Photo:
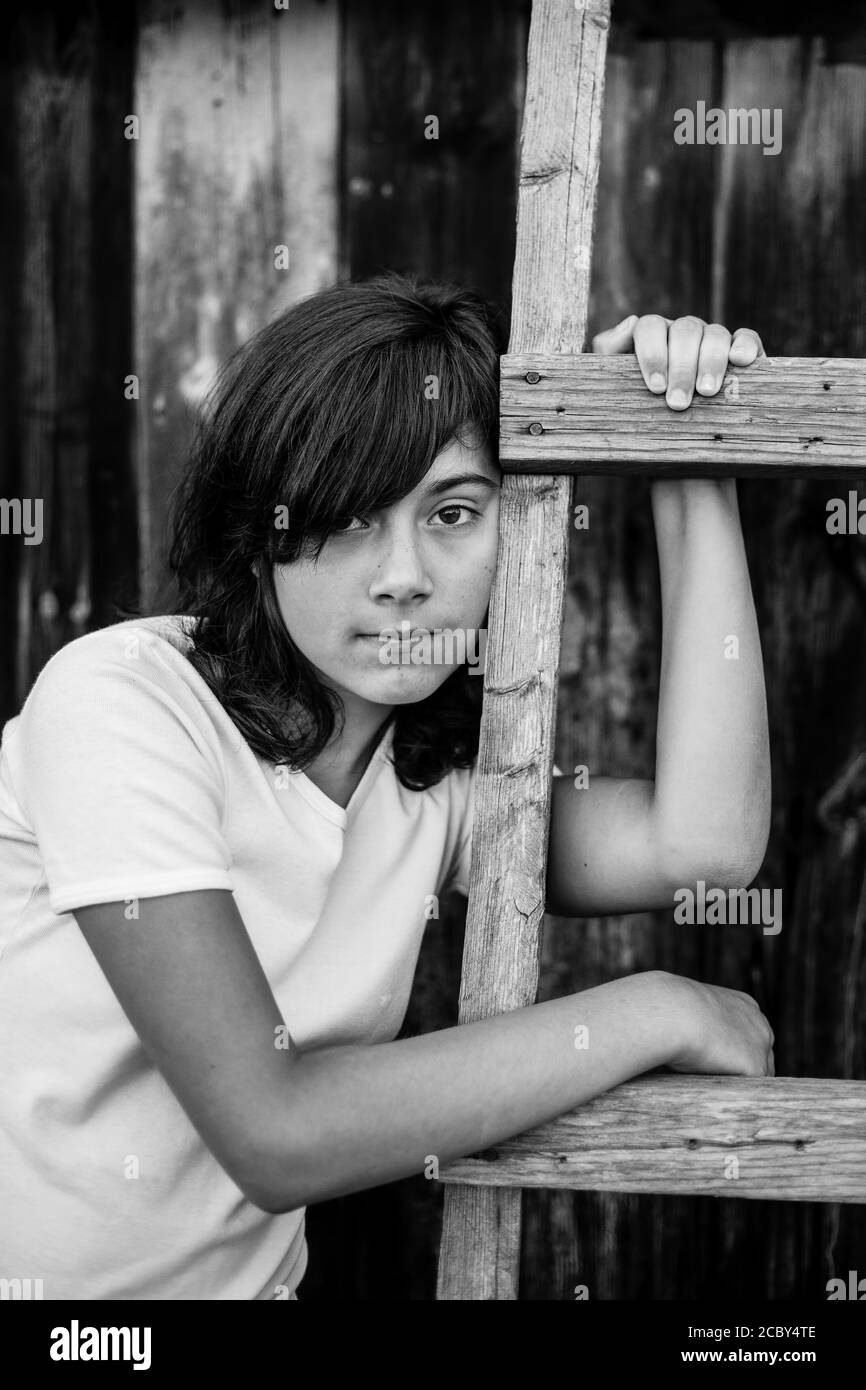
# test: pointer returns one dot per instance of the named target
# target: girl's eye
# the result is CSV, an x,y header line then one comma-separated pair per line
x,y
455,507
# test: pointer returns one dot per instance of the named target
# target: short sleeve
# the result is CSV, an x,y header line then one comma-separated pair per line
x,y
457,878
118,770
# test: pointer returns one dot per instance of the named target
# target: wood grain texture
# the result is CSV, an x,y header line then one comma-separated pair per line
x,y
39,629
781,416
480,1250
64,308
443,206
237,155
10,314
804,1139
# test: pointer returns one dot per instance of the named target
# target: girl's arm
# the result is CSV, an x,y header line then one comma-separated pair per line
x,y
292,1127
627,844
712,784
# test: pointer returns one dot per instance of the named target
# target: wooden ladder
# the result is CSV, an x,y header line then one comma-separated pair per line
x,y
563,414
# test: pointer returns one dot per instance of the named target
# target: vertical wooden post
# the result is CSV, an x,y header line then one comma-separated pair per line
x,y
480,1250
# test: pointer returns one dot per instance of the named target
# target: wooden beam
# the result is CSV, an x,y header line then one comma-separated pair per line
x,y
793,1140
791,416
480,1249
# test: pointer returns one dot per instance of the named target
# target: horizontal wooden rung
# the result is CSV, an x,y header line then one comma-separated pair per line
x,y
584,413
770,1138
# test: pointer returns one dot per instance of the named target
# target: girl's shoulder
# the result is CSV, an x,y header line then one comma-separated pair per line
x,y
150,641
119,639
122,670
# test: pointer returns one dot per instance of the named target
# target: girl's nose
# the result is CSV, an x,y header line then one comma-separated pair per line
x,y
401,574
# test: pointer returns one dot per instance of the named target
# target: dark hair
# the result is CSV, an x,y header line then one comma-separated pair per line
x,y
329,411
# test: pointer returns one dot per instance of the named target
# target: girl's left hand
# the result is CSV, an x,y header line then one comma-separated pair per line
x,y
678,355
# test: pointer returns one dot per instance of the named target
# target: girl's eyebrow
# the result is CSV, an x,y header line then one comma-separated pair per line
x,y
448,484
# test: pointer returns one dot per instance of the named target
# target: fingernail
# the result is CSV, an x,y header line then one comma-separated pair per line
x,y
707,382
678,398
657,382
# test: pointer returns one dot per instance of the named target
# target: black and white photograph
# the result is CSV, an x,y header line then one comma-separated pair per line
x,y
432,668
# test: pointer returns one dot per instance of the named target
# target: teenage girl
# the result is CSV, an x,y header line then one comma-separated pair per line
x,y
221,829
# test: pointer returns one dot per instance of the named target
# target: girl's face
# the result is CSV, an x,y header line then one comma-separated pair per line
x,y
427,561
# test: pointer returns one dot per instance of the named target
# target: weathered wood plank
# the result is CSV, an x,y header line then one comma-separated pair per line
x,y
432,199
480,1250
113,487
796,1140
65,314
55,69
10,320
236,157
38,633
74,539
791,416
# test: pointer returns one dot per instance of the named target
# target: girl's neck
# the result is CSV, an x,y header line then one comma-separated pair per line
x,y
340,766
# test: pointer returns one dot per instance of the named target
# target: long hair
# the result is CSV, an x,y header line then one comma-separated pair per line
x,y
336,408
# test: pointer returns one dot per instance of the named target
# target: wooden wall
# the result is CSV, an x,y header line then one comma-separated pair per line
x,y
66,234
236,206
305,128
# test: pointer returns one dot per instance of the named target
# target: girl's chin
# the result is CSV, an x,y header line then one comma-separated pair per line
x,y
406,682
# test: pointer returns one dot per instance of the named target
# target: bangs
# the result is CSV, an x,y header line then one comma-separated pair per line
x,y
382,419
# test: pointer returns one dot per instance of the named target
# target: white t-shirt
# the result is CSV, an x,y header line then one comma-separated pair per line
x,y
121,778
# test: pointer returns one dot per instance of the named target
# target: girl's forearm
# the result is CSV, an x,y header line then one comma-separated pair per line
x,y
712,785
357,1116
